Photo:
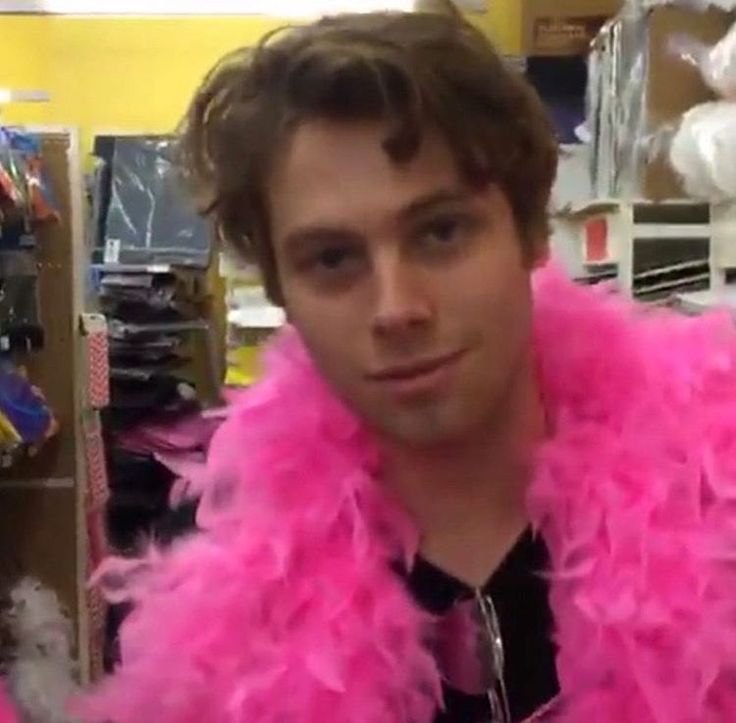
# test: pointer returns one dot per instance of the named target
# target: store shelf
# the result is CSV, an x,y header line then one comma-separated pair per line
x,y
248,308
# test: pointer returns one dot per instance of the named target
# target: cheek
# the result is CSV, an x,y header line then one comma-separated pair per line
x,y
489,286
331,334
489,309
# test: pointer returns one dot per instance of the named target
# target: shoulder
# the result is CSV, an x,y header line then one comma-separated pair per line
x,y
592,340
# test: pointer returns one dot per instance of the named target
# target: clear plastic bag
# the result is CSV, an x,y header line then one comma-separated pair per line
x,y
717,63
701,5
616,115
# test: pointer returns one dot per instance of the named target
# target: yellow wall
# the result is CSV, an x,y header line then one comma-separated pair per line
x,y
138,74
502,23
21,59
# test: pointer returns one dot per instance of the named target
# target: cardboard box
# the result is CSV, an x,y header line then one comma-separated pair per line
x,y
563,27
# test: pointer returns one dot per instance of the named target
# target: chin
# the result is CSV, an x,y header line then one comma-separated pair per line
x,y
422,430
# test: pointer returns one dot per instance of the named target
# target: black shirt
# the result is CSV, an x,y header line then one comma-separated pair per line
x,y
520,596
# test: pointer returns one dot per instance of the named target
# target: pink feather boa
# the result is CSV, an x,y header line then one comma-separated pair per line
x,y
7,710
285,608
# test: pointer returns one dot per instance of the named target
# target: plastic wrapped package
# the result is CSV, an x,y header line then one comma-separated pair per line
x,y
26,417
703,151
20,325
18,300
22,177
150,218
719,66
634,108
25,195
616,103
700,5
717,63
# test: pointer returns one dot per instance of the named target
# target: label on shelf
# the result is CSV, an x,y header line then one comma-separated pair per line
x,y
112,250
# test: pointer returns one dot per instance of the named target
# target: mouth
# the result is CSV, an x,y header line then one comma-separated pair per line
x,y
419,376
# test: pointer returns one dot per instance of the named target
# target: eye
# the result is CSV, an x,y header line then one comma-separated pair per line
x,y
447,232
332,258
334,263
442,230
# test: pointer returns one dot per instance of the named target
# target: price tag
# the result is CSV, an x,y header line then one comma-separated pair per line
x,y
112,251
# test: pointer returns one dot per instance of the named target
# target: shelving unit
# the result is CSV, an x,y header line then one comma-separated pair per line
x,y
655,249
43,520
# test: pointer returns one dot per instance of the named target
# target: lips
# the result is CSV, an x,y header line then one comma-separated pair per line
x,y
419,380
415,369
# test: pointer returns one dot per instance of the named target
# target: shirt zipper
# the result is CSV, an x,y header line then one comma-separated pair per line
x,y
497,695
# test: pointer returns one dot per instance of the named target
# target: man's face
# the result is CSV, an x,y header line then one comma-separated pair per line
x,y
409,288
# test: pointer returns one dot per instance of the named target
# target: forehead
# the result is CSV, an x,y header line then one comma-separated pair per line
x,y
339,173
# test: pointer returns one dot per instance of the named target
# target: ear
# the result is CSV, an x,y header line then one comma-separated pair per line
x,y
438,7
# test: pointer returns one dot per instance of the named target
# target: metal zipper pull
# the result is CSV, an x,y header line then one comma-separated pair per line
x,y
497,695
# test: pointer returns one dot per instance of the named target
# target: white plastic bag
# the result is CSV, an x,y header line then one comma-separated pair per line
x,y
719,68
722,4
717,63
703,151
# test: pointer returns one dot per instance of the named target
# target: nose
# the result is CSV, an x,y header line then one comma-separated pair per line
x,y
402,301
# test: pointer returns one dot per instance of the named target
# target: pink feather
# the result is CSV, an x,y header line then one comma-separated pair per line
x,y
7,711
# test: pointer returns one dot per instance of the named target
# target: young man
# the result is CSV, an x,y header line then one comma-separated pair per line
x,y
465,490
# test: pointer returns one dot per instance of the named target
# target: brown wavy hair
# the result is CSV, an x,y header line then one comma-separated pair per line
x,y
410,70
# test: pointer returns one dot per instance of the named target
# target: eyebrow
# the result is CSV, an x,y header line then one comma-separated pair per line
x,y
427,202
318,234
326,233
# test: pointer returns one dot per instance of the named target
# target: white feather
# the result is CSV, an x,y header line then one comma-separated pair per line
x,y
41,677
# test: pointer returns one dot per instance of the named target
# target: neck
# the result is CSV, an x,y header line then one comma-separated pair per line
x,y
472,491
